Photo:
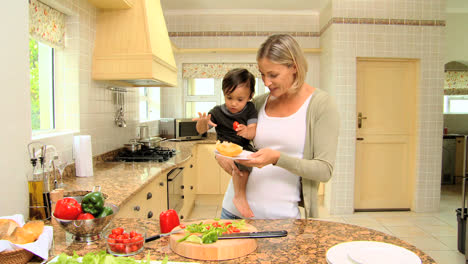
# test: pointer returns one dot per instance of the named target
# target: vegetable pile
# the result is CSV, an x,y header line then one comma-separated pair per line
x,y
120,241
92,206
210,231
102,257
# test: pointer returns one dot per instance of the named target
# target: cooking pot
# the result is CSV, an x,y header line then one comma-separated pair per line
x,y
133,146
151,142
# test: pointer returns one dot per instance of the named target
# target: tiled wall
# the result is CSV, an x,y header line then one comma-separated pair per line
x,y
232,31
96,109
345,42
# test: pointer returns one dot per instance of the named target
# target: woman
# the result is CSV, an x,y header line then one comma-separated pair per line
x,y
297,134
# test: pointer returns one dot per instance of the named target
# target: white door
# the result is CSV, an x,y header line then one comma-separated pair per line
x,y
386,130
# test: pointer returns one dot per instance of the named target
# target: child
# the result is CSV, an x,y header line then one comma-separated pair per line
x,y
238,88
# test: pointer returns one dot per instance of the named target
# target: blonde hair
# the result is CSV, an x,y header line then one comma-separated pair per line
x,y
283,49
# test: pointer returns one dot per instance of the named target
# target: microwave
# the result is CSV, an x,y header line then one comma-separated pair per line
x,y
179,129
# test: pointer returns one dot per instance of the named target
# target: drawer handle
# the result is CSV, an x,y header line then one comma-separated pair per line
x,y
150,214
136,208
149,195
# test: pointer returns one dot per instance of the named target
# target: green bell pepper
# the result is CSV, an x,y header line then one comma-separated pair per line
x,y
93,203
105,212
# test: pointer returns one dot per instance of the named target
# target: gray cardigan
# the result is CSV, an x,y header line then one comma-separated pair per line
x,y
319,149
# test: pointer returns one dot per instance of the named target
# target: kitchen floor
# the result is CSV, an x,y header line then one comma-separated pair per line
x,y
433,233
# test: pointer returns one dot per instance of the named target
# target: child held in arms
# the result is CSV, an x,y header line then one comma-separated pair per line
x,y
235,121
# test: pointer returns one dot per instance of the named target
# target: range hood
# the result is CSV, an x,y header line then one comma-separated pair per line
x,y
456,66
132,47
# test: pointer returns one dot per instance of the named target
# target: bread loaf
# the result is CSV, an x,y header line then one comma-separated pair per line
x,y
7,226
30,232
228,149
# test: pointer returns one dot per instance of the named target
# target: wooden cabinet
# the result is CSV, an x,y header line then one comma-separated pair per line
x,y
147,203
212,179
112,4
190,183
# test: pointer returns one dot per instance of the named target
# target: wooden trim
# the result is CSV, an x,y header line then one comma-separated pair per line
x,y
229,50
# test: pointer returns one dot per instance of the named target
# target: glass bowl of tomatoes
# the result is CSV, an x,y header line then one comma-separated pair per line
x,y
125,241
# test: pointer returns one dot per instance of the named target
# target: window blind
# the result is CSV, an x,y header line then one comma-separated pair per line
x,y
215,70
46,24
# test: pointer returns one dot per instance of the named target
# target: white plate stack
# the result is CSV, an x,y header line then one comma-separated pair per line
x,y
370,252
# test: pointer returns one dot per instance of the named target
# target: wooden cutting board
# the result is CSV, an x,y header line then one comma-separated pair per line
x,y
220,250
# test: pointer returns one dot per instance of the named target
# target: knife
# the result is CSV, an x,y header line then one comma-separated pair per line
x,y
151,238
260,234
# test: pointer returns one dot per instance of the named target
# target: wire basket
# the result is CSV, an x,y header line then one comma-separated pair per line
x,y
17,256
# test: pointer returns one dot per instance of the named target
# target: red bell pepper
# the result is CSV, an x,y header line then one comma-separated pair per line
x,y
67,208
168,220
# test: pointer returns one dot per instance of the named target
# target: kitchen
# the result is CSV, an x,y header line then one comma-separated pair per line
x,y
94,103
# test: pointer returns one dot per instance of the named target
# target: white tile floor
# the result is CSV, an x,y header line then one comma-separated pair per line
x,y
434,233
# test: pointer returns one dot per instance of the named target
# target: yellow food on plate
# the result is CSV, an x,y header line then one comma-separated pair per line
x,y
228,148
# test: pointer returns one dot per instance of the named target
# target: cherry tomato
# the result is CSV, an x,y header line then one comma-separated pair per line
x,y
235,125
119,248
117,231
85,216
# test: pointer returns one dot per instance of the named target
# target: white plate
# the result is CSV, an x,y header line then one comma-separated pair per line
x,y
243,156
54,260
370,252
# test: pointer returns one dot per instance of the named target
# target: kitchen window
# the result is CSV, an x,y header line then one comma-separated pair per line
x,y
203,81
456,104
41,67
202,94
150,103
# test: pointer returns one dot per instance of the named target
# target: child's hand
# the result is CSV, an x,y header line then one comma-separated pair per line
x,y
241,130
203,122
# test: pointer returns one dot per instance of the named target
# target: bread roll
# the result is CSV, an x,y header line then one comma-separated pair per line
x,y
228,149
30,232
7,226
35,228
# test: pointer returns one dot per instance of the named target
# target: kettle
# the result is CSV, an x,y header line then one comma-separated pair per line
x,y
143,132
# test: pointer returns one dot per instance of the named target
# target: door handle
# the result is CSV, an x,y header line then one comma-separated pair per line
x,y
359,119
359,138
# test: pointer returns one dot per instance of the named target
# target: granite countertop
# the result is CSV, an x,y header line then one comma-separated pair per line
x,y
121,180
307,241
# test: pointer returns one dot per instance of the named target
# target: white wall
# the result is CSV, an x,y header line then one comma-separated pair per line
x,y
15,107
457,37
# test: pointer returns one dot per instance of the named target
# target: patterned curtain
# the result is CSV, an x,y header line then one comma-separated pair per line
x,y
46,24
215,70
456,83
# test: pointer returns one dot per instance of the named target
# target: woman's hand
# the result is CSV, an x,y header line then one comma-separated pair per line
x,y
227,165
261,158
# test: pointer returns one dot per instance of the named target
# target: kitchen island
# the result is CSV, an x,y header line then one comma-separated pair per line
x,y
307,241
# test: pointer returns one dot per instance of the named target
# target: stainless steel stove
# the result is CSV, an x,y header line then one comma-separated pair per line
x,y
157,154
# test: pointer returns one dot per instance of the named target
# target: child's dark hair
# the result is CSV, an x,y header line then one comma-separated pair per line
x,y
236,77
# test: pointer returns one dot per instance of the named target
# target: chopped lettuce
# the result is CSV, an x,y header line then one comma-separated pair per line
x,y
100,257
